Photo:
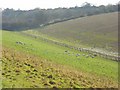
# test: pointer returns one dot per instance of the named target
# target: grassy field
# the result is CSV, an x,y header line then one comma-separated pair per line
x,y
43,64
98,31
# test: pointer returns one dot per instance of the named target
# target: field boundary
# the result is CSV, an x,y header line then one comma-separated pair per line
x,y
98,53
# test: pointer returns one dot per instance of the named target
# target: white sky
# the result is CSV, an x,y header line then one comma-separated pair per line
x,y
31,4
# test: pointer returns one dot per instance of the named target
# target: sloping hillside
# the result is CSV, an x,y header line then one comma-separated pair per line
x,y
29,19
42,64
98,31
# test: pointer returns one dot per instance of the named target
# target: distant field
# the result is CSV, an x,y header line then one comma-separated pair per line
x,y
98,31
49,65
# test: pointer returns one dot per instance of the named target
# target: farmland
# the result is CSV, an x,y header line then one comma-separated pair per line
x,y
53,56
42,64
99,32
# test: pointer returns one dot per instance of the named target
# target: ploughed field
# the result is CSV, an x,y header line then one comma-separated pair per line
x,y
29,61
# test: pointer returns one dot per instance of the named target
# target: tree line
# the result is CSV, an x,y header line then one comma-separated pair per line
x,y
27,19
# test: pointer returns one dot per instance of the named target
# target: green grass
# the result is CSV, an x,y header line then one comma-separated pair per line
x,y
32,72
98,66
99,30
50,59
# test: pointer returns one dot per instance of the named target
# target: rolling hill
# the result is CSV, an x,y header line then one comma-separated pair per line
x,y
30,55
97,31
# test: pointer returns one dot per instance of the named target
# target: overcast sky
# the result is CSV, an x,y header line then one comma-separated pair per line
x,y
31,4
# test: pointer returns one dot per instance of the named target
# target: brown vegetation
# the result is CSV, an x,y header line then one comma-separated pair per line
x,y
44,73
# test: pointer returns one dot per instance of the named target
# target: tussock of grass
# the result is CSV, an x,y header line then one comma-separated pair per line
x,y
37,73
